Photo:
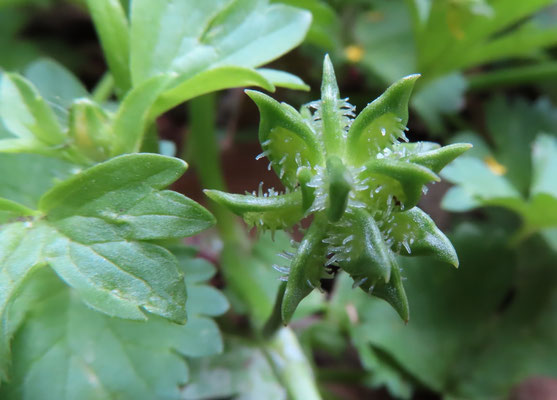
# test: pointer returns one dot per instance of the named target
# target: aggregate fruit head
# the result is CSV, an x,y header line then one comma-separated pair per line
x,y
360,179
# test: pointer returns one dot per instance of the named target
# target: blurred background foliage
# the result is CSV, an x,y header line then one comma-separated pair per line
x,y
489,77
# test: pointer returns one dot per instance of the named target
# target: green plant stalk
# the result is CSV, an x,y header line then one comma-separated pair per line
x,y
291,366
283,349
104,88
274,323
514,76
204,154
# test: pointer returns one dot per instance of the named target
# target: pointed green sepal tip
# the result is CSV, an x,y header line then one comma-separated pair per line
x,y
418,235
437,159
392,292
329,85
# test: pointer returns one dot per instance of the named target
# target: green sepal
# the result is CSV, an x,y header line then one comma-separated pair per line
x,y
366,257
286,138
10,210
382,122
305,270
90,128
304,176
272,212
392,292
437,159
412,177
416,231
340,184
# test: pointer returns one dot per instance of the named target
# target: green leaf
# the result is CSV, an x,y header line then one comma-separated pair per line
x,y
283,79
26,114
105,357
325,25
480,182
30,176
286,138
388,43
279,211
134,115
513,126
213,80
21,247
93,235
441,96
242,372
522,343
189,37
57,85
10,210
544,160
96,219
112,27
381,123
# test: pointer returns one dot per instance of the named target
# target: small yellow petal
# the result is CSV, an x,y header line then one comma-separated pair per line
x,y
354,53
494,166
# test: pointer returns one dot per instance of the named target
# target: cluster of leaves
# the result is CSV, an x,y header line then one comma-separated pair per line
x,y
443,40
506,175
88,282
360,180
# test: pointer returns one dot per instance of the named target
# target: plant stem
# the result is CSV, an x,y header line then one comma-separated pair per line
x,y
274,323
514,76
204,151
291,366
104,88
